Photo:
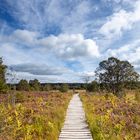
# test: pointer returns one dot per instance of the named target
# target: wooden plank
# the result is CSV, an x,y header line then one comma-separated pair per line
x,y
75,126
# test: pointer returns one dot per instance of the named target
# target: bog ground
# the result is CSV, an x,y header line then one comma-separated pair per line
x,y
61,116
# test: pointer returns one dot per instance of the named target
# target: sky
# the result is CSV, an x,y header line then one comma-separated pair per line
x,y
64,40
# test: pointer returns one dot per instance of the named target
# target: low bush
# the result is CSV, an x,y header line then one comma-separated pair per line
x,y
20,97
112,118
38,118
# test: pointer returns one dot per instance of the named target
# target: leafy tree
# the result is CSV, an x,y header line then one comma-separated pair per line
x,y
2,71
35,84
3,86
93,87
64,88
23,85
113,73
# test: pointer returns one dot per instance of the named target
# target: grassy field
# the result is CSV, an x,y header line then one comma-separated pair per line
x,y
35,116
111,118
40,115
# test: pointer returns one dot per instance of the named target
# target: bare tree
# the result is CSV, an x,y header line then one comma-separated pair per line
x,y
12,79
86,79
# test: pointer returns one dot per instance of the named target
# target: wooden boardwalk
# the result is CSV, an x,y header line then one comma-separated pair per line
x,y
75,126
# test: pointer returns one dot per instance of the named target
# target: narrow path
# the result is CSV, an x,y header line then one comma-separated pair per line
x,y
75,126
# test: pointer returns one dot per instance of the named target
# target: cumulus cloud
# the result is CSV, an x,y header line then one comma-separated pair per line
x,y
121,21
61,49
71,46
20,36
68,46
128,52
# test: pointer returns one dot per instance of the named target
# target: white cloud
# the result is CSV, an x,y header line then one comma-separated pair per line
x,y
121,21
12,55
76,22
71,46
129,52
24,36
87,74
27,12
68,46
20,36
115,24
53,16
61,49
43,14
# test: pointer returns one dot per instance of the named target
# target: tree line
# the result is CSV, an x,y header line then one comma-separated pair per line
x,y
35,85
112,75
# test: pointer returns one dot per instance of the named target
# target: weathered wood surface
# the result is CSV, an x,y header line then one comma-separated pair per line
x,y
75,126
